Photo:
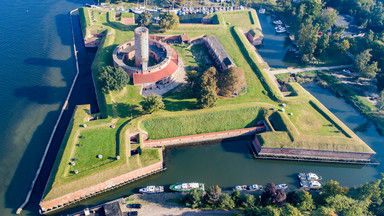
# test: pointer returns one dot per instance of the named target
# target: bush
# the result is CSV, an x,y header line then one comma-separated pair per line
x,y
152,103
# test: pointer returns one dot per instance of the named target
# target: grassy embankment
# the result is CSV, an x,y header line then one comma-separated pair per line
x,y
123,109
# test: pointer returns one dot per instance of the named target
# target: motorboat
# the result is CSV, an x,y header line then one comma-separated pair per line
x,y
311,184
282,186
308,177
262,11
240,187
183,187
277,22
152,189
255,187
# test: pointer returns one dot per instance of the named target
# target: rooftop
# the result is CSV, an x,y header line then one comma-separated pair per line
x,y
219,50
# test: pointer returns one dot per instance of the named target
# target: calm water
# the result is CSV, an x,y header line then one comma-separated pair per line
x,y
38,68
275,49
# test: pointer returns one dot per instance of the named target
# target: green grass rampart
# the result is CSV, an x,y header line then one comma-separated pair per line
x,y
198,123
249,55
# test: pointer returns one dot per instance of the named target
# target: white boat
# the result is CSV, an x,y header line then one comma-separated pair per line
x,y
152,189
308,177
277,22
261,11
151,9
282,186
255,187
280,30
311,184
240,187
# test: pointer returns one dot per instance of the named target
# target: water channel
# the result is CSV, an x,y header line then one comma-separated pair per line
x,y
275,48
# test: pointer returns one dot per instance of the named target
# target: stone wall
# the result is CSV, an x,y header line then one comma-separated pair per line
x,y
310,155
68,199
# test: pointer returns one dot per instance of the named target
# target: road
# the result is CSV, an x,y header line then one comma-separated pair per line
x,y
297,70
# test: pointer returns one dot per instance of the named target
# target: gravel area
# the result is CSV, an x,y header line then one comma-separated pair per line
x,y
161,204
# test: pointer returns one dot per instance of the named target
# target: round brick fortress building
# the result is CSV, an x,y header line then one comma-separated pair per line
x,y
150,63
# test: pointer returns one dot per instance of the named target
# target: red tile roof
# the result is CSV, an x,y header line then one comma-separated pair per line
x,y
158,75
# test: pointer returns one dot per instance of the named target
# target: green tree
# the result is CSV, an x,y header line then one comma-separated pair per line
x,y
344,46
191,78
235,196
347,206
153,103
307,40
381,100
264,211
305,202
169,20
213,195
324,211
322,44
331,189
207,96
145,19
327,19
247,200
364,65
226,202
194,199
110,78
290,210
231,81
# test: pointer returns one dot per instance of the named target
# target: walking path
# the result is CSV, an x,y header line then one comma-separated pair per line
x,y
297,70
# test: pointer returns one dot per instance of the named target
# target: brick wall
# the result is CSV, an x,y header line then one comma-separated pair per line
x,y
201,137
104,186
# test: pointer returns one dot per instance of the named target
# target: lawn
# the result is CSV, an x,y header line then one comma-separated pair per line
x,y
165,127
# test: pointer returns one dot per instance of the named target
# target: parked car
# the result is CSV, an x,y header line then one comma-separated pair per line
x,y
136,205
133,213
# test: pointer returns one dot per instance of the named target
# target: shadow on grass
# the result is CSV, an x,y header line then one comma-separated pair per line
x,y
126,110
118,136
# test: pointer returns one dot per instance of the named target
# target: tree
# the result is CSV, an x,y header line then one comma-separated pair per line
x,y
324,211
207,96
305,202
347,206
272,195
110,78
169,20
327,19
213,195
247,200
264,211
194,199
381,100
226,202
191,78
235,196
322,44
343,46
307,40
331,189
290,210
231,81
145,19
363,65
153,103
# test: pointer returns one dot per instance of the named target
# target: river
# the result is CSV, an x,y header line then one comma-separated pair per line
x,y
38,69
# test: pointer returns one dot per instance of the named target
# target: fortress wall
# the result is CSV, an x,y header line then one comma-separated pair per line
x,y
198,138
71,198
